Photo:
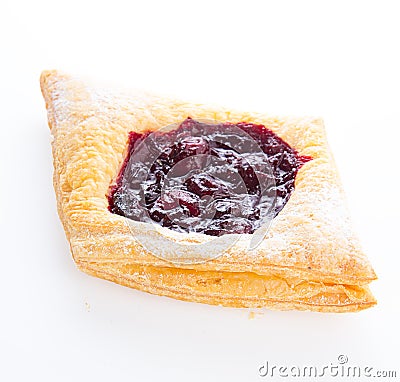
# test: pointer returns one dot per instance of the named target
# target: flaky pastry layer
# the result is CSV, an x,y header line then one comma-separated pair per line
x,y
221,288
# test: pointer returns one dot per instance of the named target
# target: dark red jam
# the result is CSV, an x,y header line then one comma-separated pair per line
x,y
211,178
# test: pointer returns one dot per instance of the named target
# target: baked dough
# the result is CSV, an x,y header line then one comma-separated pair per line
x,y
310,259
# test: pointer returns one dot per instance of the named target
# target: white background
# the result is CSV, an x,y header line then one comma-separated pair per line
x,y
335,59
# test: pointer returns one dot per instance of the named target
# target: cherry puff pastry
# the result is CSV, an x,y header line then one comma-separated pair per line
x,y
307,258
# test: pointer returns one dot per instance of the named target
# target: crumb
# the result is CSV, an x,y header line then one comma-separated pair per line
x,y
253,314
87,306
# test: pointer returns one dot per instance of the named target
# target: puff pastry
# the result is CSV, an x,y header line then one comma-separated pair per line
x,y
310,259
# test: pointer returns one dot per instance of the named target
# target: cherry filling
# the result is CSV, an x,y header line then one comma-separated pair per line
x,y
212,178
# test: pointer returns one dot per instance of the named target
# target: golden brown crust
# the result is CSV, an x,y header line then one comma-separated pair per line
x,y
221,288
310,240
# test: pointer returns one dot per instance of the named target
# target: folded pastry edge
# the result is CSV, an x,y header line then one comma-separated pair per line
x,y
236,289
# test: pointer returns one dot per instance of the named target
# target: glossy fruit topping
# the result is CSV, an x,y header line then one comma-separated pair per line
x,y
212,178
